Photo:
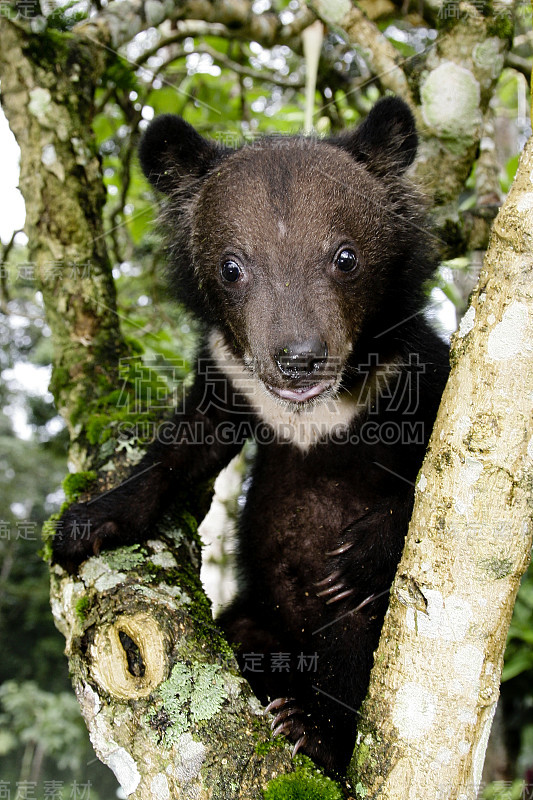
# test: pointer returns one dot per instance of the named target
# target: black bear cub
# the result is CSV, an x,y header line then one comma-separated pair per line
x,y
305,260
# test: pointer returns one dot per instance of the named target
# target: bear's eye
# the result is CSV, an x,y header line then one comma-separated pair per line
x,y
230,271
346,260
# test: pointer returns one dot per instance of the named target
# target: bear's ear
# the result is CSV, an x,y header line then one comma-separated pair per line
x,y
172,151
386,140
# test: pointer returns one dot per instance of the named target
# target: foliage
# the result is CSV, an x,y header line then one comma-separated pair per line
x,y
519,653
51,720
63,18
505,790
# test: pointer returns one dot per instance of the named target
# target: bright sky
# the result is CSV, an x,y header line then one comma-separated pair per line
x,y
12,211
29,377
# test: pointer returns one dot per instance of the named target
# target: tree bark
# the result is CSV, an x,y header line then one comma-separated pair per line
x,y
426,720
455,86
118,23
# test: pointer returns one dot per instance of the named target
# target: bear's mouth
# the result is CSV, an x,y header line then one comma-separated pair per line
x,y
300,394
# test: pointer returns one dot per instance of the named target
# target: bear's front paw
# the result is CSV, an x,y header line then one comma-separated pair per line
x,y
334,587
80,533
361,564
339,585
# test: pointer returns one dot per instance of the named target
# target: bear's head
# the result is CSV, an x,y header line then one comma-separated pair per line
x,y
300,252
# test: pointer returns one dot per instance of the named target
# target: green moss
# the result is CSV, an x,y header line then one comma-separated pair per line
x,y
306,783
132,399
363,756
49,47
77,483
188,580
501,25
190,521
48,533
98,429
65,17
265,746
81,608
60,381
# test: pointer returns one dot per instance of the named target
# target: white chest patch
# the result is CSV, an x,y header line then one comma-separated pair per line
x,y
304,426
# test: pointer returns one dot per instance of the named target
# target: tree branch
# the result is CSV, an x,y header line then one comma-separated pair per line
x,y
239,69
382,57
461,69
118,23
62,185
159,690
519,64
434,687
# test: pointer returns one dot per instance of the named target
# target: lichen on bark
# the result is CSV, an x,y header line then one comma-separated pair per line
x,y
453,88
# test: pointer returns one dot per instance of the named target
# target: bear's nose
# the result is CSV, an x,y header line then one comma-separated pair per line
x,y
300,359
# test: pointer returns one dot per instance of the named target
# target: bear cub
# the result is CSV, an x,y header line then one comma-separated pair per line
x,y
305,261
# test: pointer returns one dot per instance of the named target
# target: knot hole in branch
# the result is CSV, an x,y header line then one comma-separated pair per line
x,y
130,656
133,654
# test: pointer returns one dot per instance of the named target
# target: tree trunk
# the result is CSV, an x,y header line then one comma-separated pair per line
x,y
434,688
